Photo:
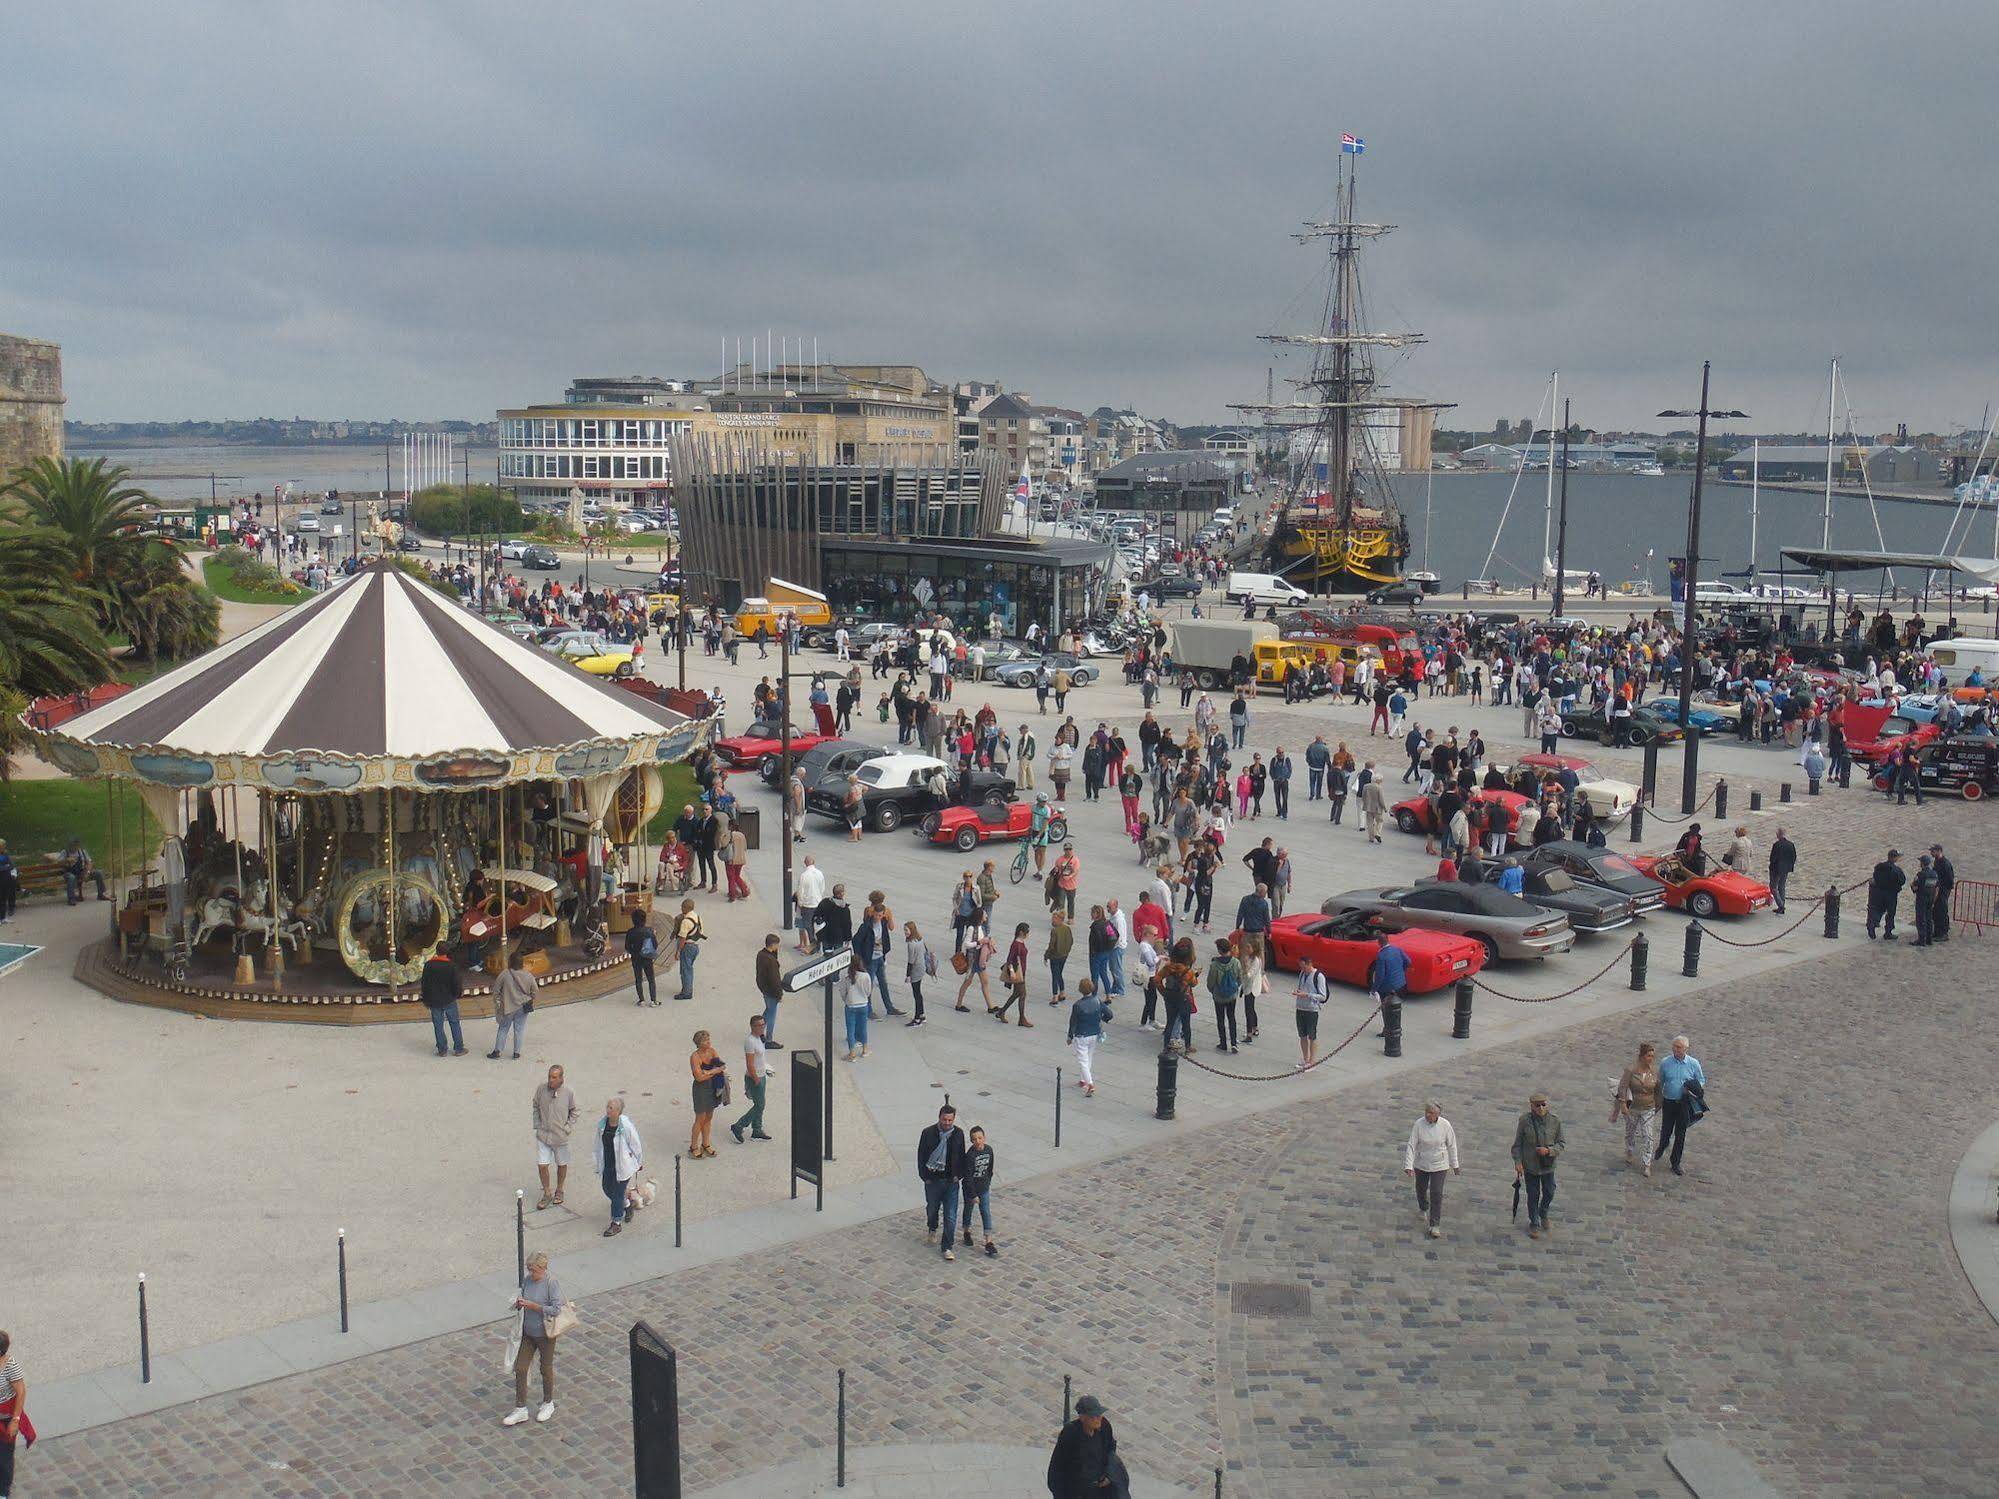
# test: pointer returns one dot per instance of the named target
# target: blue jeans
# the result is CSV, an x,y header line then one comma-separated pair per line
x,y
615,1190
857,1026
1057,980
689,951
878,971
1116,966
982,1199
438,1018
1236,733
940,1200
1100,971
1540,1192
1315,782
518,1024
770,1019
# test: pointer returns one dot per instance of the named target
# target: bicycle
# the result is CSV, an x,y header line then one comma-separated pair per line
x,y
1053,836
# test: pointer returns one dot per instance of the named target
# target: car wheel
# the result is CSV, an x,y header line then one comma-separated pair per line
x,y
967,840
622,670
888,816
810,640
1569,728
1703,903
994,798
767,769
1406,820
1491,947
1973,790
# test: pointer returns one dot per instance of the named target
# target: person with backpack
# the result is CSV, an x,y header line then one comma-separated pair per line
x,y
918,963
642,947
1308,997
1086,1028
1225,978
687,937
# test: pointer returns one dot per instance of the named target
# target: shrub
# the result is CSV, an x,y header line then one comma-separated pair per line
x,y
452,510
253,573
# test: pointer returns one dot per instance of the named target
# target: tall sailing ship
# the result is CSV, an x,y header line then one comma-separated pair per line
x,y
1336,528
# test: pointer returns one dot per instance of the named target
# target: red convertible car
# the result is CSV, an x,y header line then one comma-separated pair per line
x,y
1718,892
761,741
1417,815
989,822
1343,948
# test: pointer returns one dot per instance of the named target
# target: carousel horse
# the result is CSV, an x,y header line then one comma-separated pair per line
x,y
226,910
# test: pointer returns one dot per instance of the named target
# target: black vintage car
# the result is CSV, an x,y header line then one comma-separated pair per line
x,y
895,789
1640,727
1599,866
1590,908
828,757
1964,764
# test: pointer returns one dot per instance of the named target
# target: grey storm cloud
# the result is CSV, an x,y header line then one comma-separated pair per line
x,y
436,209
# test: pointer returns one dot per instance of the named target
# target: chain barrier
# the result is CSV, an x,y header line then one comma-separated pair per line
x,y
1270,1077
1541,999
1655,816
1810,909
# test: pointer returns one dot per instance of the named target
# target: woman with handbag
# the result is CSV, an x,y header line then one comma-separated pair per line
x,y
544,1317
974,958
711,1088
1014,975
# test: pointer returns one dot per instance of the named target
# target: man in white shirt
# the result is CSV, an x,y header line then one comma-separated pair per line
x,y
806,895
1122,922
844,642
756,1078
1432,1150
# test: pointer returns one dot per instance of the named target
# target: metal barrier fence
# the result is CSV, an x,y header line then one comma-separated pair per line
x,y
1974,903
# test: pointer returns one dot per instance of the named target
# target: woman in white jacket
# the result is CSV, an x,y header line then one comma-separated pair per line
x,y
1432,1150
619,1157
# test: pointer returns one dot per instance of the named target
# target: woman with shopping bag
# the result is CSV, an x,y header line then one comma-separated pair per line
x,y
543,1316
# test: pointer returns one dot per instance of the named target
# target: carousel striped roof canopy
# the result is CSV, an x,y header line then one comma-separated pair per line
x,y
379,668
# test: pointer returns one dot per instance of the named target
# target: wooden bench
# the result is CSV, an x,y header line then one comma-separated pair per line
x,y
42,877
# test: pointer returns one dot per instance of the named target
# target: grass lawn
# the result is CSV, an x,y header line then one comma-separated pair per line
x,y
40,817
221,580
680,790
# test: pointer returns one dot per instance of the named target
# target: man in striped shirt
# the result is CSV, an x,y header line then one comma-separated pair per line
x,y
13,1406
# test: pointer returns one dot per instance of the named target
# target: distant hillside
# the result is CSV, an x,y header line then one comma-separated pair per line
x,y
263,432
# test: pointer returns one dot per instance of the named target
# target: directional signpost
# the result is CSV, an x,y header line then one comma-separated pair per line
x,y
825,969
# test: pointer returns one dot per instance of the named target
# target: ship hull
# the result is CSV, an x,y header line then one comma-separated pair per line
x,y
1343,559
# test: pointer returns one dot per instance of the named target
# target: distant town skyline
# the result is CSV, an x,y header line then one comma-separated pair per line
x,y
1091,204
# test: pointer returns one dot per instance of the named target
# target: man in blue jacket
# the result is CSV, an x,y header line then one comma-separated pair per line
x,y
1388,977
1681,1084
940,1163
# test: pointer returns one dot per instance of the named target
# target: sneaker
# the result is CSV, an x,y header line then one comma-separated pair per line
x,y
992,1250
760,1135
1677,1171
494,1056
949,1255
515,1416
1436,1232
613,1231
773,1046
737,1131
545,1410
1533,1232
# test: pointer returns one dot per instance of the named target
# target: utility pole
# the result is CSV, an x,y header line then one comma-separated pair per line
x,y
1690,758
1562,524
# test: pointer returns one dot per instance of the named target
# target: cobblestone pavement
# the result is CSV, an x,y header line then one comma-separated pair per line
x,y
1657,1309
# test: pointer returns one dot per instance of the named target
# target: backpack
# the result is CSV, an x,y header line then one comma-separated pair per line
x,y
648,944
1172,985
929,963
1228,979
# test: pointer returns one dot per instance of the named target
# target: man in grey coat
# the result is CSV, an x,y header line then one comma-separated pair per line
x,y
555,1115
1537,1146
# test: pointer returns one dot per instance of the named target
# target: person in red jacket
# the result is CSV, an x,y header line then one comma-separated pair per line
x,y
1151,922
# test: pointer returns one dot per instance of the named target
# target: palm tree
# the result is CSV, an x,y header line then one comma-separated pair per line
x,y
49,644
133,583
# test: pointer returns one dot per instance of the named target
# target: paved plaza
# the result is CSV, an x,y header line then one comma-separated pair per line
x,y
1139,1258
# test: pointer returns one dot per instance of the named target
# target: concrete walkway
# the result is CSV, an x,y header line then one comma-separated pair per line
x,y
938,1467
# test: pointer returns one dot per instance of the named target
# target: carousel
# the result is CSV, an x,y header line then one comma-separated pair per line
x,y
370,778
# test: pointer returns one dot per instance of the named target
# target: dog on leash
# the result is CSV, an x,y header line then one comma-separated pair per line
x,y
640,1194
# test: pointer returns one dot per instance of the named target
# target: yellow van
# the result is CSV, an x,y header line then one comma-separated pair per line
x,y
787,601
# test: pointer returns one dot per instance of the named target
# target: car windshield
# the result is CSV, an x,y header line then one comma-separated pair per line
x,y
1613,866
1587,773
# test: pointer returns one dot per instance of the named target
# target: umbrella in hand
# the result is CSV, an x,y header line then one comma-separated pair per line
x,y
1516,1197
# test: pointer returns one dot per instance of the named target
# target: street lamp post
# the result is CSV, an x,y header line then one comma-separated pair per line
x,y
1562,525
1690,758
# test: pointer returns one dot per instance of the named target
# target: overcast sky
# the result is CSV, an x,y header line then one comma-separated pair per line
x,y
431,210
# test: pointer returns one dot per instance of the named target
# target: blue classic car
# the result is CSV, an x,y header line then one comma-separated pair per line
x,y
1704,721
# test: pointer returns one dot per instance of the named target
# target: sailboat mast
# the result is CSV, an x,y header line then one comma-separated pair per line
x,y
1548,509
1755,481
1429,485
1343,352
1831,395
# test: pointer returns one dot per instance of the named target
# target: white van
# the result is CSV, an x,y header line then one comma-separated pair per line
x,y
1263,588
1957,657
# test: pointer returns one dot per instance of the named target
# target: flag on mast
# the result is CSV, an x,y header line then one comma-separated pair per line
x,y
1352,145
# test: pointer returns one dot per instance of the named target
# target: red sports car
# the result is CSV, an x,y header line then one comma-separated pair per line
x,y
1417,815
1343,948
761,741
1718,892
989,822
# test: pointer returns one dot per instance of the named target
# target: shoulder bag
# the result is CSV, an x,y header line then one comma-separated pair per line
x,y
558,1323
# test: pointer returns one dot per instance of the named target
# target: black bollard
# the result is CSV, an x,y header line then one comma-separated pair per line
x,y
1065,1399
1637,822
1832,910
1391,1026
520,1236
1783,793
1650,783
676,1202
343,1280
145,1336
1720,799
1812,786
1461,1011
1641,956
1690,964
1218,1483
840,1472
1058,1108
1169,1085
1755,801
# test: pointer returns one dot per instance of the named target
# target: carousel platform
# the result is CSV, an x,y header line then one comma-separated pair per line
x,y
322,992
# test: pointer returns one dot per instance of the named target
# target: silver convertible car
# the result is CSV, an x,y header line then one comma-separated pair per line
x,y
1021,673
1508,926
